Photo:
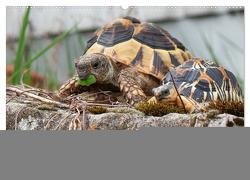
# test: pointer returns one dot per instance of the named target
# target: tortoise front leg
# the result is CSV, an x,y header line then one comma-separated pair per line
x,y
190,104
69,87
131,84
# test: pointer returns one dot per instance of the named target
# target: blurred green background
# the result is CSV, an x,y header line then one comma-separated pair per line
x,y
45,40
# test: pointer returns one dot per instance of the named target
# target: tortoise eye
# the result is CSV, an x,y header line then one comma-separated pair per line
x,y
165,92
96,65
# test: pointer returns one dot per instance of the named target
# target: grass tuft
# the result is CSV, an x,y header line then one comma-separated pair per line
x,y
40,53
21,47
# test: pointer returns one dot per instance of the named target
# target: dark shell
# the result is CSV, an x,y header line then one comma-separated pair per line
x,y
176,41
115,34
92,40
145,46
174,60
123,29
159,65
134,20
153,36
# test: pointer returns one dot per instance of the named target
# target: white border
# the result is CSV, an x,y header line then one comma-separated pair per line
x,y
127,3
3,68
123,4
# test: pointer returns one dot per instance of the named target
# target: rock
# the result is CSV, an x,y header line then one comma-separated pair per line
x,y
22,117
28,114
226,120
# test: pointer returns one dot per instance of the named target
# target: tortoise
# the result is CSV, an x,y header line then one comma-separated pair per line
x,y
128,54
198,81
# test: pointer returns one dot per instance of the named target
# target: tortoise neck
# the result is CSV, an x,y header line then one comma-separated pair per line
x,y
112,74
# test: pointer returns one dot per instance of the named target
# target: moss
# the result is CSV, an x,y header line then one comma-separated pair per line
x,y
124,110
235,108
158,109
97,109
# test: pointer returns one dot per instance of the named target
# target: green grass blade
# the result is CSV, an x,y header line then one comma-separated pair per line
x,y
187,44
241,84
43,51
51,77
79,37
21,47
231,43
209,47
238,77
27,75
69,58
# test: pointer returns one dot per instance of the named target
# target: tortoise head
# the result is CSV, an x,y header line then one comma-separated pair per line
x,y
95,64
165,93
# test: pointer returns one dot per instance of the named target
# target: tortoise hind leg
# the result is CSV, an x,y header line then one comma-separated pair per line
x,y
133,84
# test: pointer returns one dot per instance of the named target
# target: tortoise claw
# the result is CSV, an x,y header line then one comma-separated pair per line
x,y
137,99
152,100
68,88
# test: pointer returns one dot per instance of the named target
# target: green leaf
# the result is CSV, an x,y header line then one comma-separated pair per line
x,y
21,47
87,82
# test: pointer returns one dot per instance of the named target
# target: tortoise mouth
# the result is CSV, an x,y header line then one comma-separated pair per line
x,y
161,98
83,75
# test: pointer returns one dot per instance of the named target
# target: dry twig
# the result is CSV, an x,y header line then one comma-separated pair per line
x,y
27,93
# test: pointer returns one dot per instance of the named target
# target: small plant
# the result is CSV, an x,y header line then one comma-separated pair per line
x,y
158,109
235,108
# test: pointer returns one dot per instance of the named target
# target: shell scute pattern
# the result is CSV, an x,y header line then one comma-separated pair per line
x,y
153,37
115,34
204,81
145,46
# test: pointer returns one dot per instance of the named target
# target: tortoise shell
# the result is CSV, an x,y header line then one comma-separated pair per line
x,y
145,46
205,81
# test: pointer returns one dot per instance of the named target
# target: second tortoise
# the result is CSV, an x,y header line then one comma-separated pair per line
x,y
198,81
